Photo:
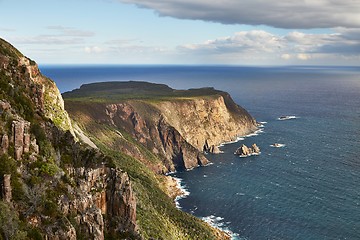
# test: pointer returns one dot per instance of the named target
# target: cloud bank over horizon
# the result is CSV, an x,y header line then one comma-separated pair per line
x,y
287,14
247,32
260,45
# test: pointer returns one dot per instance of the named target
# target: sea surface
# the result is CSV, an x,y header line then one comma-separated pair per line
x,y
307,189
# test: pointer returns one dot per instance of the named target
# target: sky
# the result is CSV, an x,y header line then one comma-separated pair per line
x,y
200,32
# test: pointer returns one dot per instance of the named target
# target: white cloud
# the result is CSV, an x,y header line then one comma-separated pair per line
x,y
269,47
62,36
286,56
282,14
71,32
93,49
303,56
7,29
49,40
256,41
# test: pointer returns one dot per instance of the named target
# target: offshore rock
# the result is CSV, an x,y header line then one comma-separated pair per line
x,y
255,148
244,151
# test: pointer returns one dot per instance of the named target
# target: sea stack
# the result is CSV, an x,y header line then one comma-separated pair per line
x,y
245,151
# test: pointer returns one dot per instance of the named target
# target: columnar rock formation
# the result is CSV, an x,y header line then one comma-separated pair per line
x,y
6,188
4,144
103,192
21,134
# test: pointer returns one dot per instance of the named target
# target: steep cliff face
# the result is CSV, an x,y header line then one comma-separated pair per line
x,y
208,121
178,129
24,77
103,192
154,132
54,187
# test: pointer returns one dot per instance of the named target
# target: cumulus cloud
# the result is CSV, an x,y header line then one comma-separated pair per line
x,y
281,14
256,41
258,44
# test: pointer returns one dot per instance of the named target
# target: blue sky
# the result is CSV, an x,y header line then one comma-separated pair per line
x,y
247,32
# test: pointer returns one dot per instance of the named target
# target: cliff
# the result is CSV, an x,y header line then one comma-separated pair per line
x,y
54,186
175,125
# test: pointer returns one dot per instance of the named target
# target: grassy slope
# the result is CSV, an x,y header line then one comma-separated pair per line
x,y
157,216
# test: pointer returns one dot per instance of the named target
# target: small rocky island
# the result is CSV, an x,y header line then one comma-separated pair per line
x,y
245,151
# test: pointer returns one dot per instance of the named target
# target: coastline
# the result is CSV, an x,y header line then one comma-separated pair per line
x,y
176,190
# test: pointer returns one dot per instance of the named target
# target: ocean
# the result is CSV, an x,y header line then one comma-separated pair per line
x,y
307,189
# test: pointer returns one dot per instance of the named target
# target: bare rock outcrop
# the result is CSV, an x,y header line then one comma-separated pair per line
x,y
156,134
210,148
6,188
66,232
104,201
245,151
4,106
21,137
4,144
207,122
178,130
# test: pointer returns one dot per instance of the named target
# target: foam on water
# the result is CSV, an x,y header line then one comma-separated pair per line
x,y
217,222
184,191
242,138
249,155
230,142
256,133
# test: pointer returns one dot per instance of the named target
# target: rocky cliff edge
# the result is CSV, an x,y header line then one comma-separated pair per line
x,y
176,126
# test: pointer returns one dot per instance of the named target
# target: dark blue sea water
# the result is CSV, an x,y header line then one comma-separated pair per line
x,y
308,189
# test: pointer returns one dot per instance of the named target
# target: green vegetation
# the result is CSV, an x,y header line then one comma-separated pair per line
x,y
117,91
40,180
7,49
10,226
156,214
